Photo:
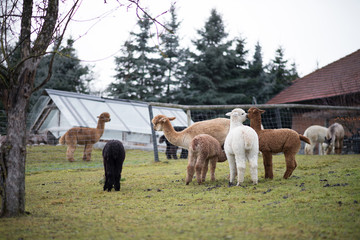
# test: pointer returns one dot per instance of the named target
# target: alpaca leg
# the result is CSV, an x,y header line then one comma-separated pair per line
x,y
204,170
338,146
232,167
198,169
87,152
70,153
253,161
213,167
117,182
268,166
241,166
190,168
290,164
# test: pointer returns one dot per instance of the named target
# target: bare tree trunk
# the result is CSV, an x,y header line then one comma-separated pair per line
x,y
15,145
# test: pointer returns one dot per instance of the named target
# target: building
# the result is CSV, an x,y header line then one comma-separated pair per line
x,y
57,111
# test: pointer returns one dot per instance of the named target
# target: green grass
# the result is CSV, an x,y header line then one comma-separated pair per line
x,y
65,201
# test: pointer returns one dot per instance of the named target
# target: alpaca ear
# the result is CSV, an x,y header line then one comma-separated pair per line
x,y
228,114
262,111
172,118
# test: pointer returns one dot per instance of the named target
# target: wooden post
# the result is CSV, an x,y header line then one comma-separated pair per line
x,y
188,113
156,152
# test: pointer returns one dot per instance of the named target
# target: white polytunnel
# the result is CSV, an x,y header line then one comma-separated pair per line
x,y
57,111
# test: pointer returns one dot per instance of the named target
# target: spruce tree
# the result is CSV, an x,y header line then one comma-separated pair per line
x,y
173,58
139,74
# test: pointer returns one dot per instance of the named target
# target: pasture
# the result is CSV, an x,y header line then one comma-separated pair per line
x,y
65,200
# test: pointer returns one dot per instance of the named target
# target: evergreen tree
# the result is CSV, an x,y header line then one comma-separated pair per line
x,y
280,74
68,74
174,58
139,75
212,71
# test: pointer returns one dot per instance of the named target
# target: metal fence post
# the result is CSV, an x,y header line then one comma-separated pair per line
x,y
156,152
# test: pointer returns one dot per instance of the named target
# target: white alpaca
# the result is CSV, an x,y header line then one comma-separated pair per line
x,y
334,140
241,144
317,135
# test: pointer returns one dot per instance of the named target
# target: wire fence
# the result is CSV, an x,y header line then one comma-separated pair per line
x,y
157,148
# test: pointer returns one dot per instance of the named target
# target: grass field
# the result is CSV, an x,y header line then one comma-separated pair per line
x,y
65,200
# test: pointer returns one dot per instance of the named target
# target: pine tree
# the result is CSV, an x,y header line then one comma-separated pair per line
x,y
173,57
212,67
139,74
280,74
68,74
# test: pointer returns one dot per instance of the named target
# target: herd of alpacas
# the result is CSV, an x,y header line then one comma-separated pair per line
x,y
212,141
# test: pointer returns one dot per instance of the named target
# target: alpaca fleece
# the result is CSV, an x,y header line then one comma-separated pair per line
x,y
84,136
217,128
203,149
275,141
316,135
334,139
113,157
241,145
171,150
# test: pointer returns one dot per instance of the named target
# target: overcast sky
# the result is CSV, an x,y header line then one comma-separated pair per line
x,y
313,33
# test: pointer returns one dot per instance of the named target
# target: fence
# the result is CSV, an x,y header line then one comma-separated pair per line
x,y
294,116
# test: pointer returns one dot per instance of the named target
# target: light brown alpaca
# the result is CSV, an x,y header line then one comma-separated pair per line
x,y
217,128
84,136
334,139
203,149
275,141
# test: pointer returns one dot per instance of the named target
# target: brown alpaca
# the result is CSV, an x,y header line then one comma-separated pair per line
x,y
202,150
217,128
275,141
84,136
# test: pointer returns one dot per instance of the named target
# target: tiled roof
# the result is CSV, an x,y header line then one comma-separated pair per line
x,y
338,78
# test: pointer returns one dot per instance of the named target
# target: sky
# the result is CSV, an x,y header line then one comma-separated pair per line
x,y
313,33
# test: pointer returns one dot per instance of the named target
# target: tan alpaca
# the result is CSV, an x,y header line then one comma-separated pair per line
x,y
217,128
275,141
84,136
203,149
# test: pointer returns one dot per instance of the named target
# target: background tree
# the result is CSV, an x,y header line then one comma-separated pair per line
x,y
139,74
281,75
68,74
209,68
174,58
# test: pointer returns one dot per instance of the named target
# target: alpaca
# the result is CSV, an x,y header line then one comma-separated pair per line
x,y
171,150
241,144
113,156
334,139
275,141
217,128
84,136
203,149
316,135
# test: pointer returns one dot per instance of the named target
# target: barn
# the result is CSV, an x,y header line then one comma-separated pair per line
x,y
337,84
57,111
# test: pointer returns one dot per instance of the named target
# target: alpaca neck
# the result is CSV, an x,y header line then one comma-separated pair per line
x,y
222,157
255,123
234,124
100,128
171,135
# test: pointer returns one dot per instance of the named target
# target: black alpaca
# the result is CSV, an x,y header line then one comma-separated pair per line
x,y
113,156
171,150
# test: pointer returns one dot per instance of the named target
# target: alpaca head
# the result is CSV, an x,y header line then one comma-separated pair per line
x,y
237,115
105,117
254,112
159,120
327,145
